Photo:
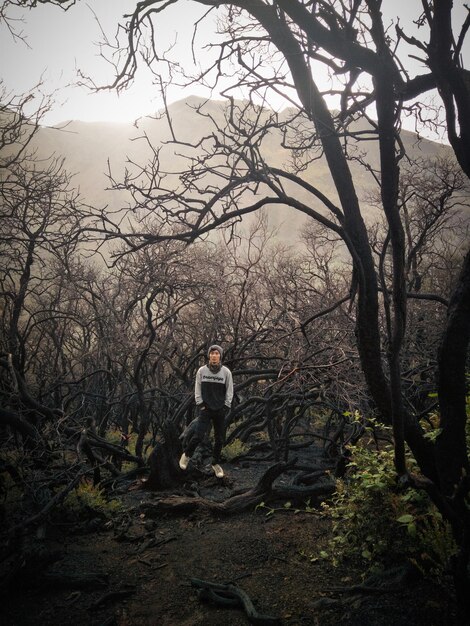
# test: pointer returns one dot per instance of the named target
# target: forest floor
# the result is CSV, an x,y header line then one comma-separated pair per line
x,y
142,570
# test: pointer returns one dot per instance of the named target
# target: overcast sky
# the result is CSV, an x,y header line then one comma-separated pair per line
x,y
60,42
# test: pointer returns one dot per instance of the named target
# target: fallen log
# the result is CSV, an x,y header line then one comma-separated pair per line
x,y
235,504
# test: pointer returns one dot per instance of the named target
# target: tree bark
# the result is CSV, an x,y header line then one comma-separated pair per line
x,y
452,456
164,470
451,445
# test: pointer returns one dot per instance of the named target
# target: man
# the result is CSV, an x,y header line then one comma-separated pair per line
x,y
213,393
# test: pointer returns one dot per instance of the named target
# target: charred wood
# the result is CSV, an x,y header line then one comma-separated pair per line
x,y
233,505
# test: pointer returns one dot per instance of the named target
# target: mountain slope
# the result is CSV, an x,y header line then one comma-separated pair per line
x,y
89,147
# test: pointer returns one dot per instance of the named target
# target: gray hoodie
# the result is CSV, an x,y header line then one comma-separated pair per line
x,y
214,390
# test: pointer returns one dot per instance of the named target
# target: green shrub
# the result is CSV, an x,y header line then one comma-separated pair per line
x,y
379,523
88,499
234,449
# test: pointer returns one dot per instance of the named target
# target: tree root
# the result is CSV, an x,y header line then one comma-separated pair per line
x,y
232,596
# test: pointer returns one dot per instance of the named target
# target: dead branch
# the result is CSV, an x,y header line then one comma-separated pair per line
x,y
234,504
230,595
57,499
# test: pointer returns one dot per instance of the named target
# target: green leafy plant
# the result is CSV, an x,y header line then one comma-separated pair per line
x,y
376,521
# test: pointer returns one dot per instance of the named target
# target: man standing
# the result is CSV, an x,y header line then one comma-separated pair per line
x,y
213,392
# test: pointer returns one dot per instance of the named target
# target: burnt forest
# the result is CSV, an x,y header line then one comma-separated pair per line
x,y
275,263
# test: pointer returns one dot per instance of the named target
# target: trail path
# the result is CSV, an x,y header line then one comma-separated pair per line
x,y
147,564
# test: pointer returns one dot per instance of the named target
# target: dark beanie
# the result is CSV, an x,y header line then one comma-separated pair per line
x,y
215,347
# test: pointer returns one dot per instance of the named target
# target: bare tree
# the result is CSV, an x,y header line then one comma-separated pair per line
x,y
274,45
280,47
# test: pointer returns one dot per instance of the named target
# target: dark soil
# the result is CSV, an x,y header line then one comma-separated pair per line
x,y
147,566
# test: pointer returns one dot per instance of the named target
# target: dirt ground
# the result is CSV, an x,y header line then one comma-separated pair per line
x,y
147,566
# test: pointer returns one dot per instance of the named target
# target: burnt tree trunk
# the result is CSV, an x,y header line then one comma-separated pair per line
x,y
451,448
164,469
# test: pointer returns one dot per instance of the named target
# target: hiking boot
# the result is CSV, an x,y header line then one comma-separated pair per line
x,y
184,461
218,471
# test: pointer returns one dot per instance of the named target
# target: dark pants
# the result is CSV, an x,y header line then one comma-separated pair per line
x,y
206,418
